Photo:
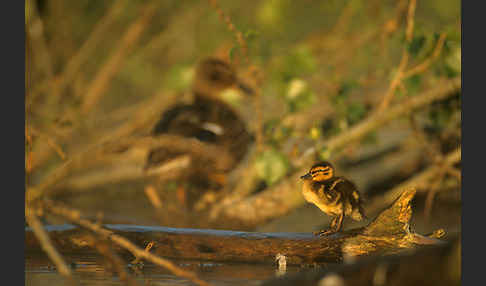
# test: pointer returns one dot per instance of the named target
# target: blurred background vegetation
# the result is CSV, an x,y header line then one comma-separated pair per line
x,y
102,72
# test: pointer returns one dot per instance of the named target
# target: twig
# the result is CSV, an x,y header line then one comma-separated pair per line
x,y
443,90
28,157
403,62
84,53
410,19
46,243
425,64
433,189
215,154
51,142
417,181
343,21
394,83
35,29
116,261
147,248
75,217
99,85
147,113
433,153
231,27
454,173
285,196
124,172
259,110
153,197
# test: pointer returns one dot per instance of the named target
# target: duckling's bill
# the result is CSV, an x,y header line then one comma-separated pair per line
x,y
307,176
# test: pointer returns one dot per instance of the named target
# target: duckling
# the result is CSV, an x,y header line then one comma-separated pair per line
x,y
335,196
208,119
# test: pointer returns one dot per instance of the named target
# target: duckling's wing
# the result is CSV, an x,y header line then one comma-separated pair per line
x,y
351,193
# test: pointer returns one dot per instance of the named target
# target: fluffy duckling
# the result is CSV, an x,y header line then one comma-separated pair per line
x,y
208,119
336,196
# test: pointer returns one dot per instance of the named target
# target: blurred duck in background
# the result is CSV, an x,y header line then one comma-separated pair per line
x,y
207,119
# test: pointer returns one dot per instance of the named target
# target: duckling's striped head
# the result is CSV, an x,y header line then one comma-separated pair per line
x,y
319,172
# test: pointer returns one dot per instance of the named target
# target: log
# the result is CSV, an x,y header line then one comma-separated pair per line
x,y
388,233
437,265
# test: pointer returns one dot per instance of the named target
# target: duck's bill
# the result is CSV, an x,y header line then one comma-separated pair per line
x,y
306,176
245,88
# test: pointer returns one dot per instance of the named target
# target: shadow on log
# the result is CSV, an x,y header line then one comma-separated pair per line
x,y
388,233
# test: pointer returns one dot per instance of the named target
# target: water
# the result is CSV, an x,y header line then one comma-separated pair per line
x,y
93,270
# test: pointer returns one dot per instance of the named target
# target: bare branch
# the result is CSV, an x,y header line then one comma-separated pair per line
x,y
99,85
46,243
75,217
285,196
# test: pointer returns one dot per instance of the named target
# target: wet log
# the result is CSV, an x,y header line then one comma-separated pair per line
x,y
388,233
436,265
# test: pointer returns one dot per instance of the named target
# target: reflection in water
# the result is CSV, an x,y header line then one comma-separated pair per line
x,y
92,270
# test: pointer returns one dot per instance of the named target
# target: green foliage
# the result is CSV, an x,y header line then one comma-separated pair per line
x,y
342,95
271,13
250,37
423,43
440,113
324,153
347,112
449,64
179,77
301,101
452,55
298,63
275,133
271,166
413,84
355,112
330,128
417,43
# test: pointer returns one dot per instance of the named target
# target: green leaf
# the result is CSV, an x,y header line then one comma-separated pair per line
x,y
416,45
303,100
299,62
413,84
355,112
344,91
324,153
250,35
271,166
